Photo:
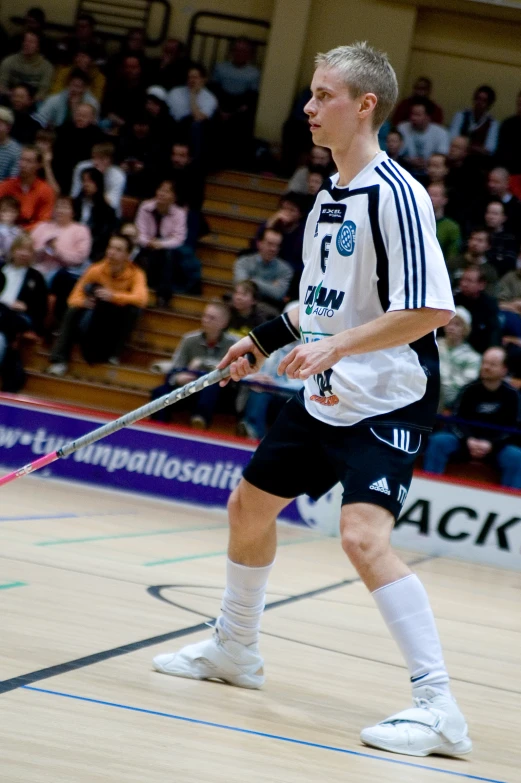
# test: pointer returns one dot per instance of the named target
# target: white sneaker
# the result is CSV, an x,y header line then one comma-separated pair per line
x,y
218,658
434,725
58,369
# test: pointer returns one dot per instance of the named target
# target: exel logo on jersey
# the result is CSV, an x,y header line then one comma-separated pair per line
x,y
323,301
345,239
330,213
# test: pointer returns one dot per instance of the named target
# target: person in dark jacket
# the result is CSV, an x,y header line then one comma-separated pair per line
x,y
92,209
486,330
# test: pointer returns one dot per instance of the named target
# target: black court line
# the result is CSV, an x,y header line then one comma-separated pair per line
x,y
88,660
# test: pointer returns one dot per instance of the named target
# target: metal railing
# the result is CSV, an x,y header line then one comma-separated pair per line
x,y
211,35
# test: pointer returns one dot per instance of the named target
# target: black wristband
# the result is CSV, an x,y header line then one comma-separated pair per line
x,y
274,334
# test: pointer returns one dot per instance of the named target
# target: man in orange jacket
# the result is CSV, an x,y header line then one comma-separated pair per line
x,y
103,308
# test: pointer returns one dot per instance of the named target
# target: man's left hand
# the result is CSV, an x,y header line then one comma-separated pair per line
x,y
307,360
104,293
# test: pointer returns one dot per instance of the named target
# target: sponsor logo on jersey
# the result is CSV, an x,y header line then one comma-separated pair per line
x,y
332,213
323,301
325,396
345,239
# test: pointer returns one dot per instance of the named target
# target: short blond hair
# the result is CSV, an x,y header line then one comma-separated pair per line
x,y
364,70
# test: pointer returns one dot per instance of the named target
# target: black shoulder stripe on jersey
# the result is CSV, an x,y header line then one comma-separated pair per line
x,y
402,235
420,235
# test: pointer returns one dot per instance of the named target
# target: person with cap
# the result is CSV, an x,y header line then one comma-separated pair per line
x,y
9,148
459,362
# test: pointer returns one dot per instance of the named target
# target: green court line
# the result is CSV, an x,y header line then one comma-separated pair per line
x,y
222,552
8,585
165,532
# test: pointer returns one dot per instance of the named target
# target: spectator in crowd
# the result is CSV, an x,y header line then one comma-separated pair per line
x,y
459,362
125,94
129,230
509,296
162,230
475,257
44,142
199,351
9,211
422,137
296,135
477,123
289,220
503,245
25,125
393,147
23,305
498,190
133,45
422,88
246,310
318,156
193,106
9,148
485,331
75,140
492,403
102,159
236,86
447,231
463,180
28,66
103,309
83,61
34,22
508,153
171,69
268,271
188,177
93,210
437,169
317,177
61,243
162,125
140,157
60,107
84,38
36,197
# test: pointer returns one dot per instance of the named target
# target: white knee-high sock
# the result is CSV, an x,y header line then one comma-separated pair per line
x,y
243,601
405,607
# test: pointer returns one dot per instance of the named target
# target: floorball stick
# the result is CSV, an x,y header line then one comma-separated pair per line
x,y
124,421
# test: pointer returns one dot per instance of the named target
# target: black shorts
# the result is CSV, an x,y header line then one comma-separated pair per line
x,y
301,455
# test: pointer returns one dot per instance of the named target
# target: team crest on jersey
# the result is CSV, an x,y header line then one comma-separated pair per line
x,y
323,301
345,240
325,396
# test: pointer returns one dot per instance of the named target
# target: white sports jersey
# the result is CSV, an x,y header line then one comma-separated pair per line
x,y
371,248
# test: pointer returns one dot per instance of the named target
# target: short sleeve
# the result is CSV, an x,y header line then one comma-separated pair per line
x,y
417,273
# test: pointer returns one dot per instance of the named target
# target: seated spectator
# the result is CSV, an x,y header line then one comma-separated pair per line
x,y
296,135
140,157
236,86
488,401
130,231
83,61
9,211
289,220
477,123
161,226
103,309
25,125
503,246
193,106
246,310
393,146
84,38
422,137
317,177
36,197
34,22
485,331
318,156
27,66
198,352
463,181
188,177
61,243
23,306
266,269
125,95
44,142
475,256
447,231
498,190
93,210
133,45
508,153
60,107
437,169
422,88
509,297
459,363
9,148
171,68
162,125
75,140
102,159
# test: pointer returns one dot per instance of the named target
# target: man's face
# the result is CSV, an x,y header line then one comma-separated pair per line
x,y
269,247
20,99
23,255
459,149
495,216
83,115
83,61
315,182
333,113
455,329
470,283
437,168
478,243
117,254
130,230
480,103
320,156
196,80
8,215
28,163
30,45
242,298
101,162
393,143
438,197
76,88
493,366
84,30
180,156
419,118
241,53
497,183
131,68
213,320
291,214
421,88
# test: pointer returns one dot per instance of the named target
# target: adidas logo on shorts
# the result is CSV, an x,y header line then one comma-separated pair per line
x,y
381,486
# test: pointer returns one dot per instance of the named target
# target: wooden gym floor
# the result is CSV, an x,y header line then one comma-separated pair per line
x,y
94,583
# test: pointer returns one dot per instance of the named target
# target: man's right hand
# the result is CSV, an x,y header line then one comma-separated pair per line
x,y
236,360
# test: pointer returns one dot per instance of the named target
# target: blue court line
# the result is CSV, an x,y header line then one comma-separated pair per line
x,y
265,735
165,532
8,585
185,558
